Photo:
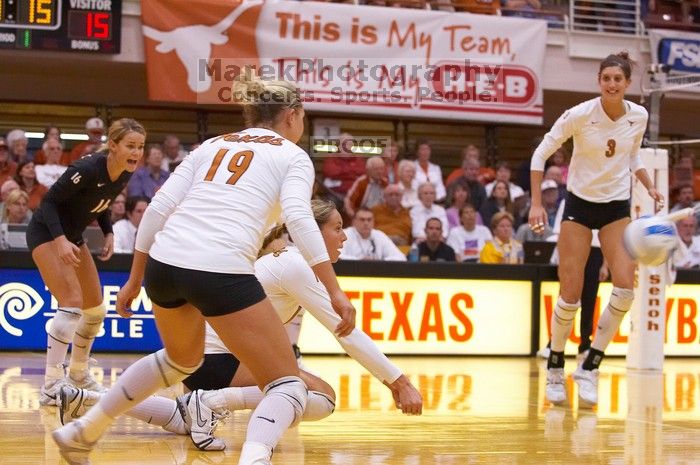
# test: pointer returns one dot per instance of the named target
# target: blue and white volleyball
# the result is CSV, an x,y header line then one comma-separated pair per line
x,y
651,239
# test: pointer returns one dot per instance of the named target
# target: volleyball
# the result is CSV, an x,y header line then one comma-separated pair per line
x,y
650,239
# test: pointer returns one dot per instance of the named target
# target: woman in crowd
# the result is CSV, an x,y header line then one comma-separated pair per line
x,y
26,178
503,249
15,209
498,201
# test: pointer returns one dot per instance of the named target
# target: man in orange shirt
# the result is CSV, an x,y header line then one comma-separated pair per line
x,y
391,218
95,129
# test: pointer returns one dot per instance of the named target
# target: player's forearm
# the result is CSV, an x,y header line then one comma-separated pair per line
x,y
535,189
326,274
138,266
363,350
644,178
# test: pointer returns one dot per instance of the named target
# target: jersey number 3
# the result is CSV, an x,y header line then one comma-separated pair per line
x,y
611,148
240,161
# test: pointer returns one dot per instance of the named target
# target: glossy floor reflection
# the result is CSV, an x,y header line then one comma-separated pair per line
x,y
477,411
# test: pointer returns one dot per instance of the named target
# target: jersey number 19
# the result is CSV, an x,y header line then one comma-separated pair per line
x,y
239,163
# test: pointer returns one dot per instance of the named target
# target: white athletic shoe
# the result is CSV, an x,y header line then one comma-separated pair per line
x,y
86,381
49,391
555,390
201,420
587,381
544,352
71,444
73,402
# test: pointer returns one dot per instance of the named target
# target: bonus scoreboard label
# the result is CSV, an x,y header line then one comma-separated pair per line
x,y
92,26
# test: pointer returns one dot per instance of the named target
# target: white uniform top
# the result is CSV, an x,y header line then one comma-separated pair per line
x,y
290,283
212,212
605,151
377,247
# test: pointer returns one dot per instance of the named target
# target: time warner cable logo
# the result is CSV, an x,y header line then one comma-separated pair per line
x,y
16,302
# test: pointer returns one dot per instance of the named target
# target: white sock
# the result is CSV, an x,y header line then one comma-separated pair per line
x,y
609,321
562,322
318,405
156,410
282,407
233,398
57,340
139,381
85,334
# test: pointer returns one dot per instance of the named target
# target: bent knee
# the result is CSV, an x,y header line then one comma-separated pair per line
x,y
293,389
314,383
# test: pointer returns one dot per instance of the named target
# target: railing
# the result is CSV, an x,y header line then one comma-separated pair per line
x,y
615,16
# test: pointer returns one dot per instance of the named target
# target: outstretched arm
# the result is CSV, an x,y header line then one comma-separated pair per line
x,y
301,283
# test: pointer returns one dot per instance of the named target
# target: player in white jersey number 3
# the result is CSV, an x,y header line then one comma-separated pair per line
x,y
607,133
195,250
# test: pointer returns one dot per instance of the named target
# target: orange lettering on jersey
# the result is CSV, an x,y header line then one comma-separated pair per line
x,y
238,137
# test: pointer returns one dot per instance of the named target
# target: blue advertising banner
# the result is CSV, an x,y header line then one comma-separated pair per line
x,y
27,309
680,51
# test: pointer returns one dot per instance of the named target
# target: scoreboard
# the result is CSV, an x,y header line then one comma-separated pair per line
x,y
92,26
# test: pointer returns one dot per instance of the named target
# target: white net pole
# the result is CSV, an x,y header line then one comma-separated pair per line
x,y
645,349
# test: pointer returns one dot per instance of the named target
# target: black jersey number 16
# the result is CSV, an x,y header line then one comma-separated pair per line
x,y
240,161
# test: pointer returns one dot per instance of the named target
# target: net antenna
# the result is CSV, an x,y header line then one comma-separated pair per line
x,y
658,80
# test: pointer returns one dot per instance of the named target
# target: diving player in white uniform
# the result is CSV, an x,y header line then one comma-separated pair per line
x,y
195,250
607,133
290,284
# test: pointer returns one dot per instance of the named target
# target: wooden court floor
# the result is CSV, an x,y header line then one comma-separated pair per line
x,y
477,411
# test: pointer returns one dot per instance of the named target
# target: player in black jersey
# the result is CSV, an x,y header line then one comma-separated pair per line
x,y
55,237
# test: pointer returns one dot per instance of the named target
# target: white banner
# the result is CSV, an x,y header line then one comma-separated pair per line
x,y
351,58
407,62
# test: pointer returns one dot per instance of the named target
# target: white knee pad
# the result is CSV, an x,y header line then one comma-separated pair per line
x,y
64,324
91,321
318,406
293,390
170,371
565,311
621,299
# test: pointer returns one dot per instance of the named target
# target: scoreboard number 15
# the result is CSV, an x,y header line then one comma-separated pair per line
x,y
40,11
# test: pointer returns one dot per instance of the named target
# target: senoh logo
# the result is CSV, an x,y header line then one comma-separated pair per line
x,y
681,55
17,302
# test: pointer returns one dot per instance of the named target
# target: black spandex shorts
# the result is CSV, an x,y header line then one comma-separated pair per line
x,y
214,294
216,372
38,233
594,215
